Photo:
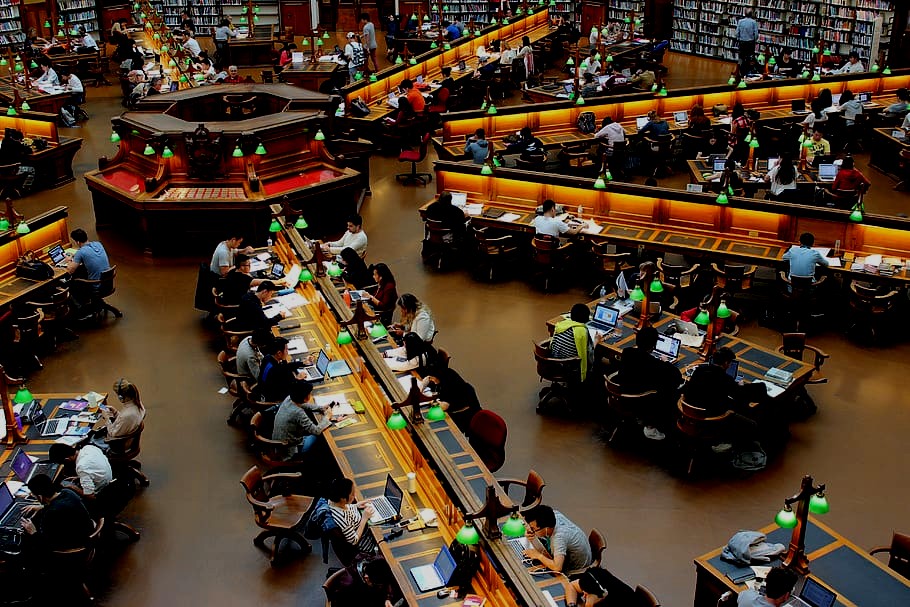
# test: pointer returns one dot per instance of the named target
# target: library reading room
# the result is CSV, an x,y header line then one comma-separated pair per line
x,y
454,303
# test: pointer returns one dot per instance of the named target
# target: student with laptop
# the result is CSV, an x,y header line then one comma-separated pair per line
x,y
355,271
819,146
299,422
698,124
277,374
93,470
414,354
60,522
238,281
129,414
350,517
547,224
656,125
568,547
354,237
415,317
850,106
714,390
478,147
367,583
849,179
91,258
611,132
778,586
782,176
451,217
571,339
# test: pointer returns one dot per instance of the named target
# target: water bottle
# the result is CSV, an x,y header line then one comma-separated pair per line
x,y
328,350
268,244
603,293
579,211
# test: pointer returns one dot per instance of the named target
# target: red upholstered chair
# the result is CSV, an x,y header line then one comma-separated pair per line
x,y
415,156
441,103
487,435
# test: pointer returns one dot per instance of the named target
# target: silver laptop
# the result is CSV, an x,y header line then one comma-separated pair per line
x,y
812,594
641,121
667,348
604,318
388,505
56,426
437,575
324,366
58,256
681,118
827,172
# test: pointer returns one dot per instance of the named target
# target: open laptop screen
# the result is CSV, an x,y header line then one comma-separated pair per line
x,y
719,164
817,595
668,346
641,121
56,254
393,493
22,465
865,97
6,498
606,315
322,362
827,172
444,565
681,117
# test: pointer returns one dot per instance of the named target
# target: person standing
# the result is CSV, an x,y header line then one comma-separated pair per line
x,y
355,54
368,39
746,36
223,34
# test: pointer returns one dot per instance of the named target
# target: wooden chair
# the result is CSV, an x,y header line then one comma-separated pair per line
x,y
691,144
898,553
626,408
250,399
795,346
699,430
869,307
268,451
239,107
110,502
330,585
538,163
229,310
681,276
799,297
549,257
598,544
443,357
608,263
661,148
98,291
439,247
562,373
231,334
733,278
11,181
73,565
279,515
905,171
268,76
487,435
56,312
232,379
645,597
533,486
494,252
27,336
123,451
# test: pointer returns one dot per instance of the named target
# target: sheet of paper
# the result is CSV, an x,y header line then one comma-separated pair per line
x,y
14,486
474,209
258,266
592,228
510,217
874,260
92,397
761,571
342,406
405,381
833,262
273,310
292,300
773,389
297,345
264,256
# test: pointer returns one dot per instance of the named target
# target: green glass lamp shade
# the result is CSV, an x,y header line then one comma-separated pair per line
x,y
4,62
398,60
760,58
23,396
306,275
580,101
571,61
23,228
378,330
519,12
874,68
426,17
142,15
165,48
856,215
730,190
412,61
818,504
167,153
772,61
731,80
33,65
274,226
446,47
807,143
319,136
172,63
433,45
11,111
445,8
477,32
608,175
593,29
319,42
183,78
242,19
722,198
373,78
654,88
496,161
435,413
626,20
397,421
334,269
4,224
741,85
301,223
256,10
552,3
413,16
540,2
255,18
886,71
805,74
514,527
637,294
657,286
492,109
486,170
599,183
494,21
148,151
358,76
60,21
156,36
816,78
19,67
814,49
637,22
786,518
597,57
25,106
753,143
306,42
702,318
827,52
609,58
467,535
483,105
47,24
344,337
662,92
571,96
237,153
325,35
723,311
748,137
604,32
260,150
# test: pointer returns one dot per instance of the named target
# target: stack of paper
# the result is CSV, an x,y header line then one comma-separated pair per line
x,y
510,217
274,310
474,209
292,300
297,345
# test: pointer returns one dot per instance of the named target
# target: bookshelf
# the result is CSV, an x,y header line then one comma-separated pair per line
x,y
268,16
708,27
620,10
483,12
10,23
80,13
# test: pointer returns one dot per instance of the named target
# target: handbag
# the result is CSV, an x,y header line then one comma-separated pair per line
x,y
359,109
33,269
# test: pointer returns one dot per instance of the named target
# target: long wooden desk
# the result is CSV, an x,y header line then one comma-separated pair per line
x,y
451,477
53,164
38,445
746,230
312,75
429,65
47,230
38,100
754,360
858,579
806,180
556,122
886,150
250,52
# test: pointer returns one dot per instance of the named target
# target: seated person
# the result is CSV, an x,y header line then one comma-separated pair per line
x,y
250,313
416,317
90,255
643,79
727,179
611,132
86,42
594,586
712,389
569,549
699,124
640,372
571,339
782,177
249,352
804,258
355,238
355,270
13,151
591,66
590,88
457,397
48,77
903,103
93,470
233,75
530,147
128,416
350,517
656,126
477,147
787,66
386,294
778,586
223,257
849,178
548,225
819,147
850,106
368,583
451,217
414,354
452,31
61,522
853,65
277,372
238,282
418,103
294,421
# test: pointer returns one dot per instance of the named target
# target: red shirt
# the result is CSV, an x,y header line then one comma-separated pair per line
x,y
850,179
417,100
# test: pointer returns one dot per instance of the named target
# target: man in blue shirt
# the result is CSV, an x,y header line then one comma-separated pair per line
x,y
90,255
453,32
804,258
746,36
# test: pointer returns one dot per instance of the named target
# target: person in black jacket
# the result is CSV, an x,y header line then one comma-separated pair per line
x,y
250,313
61,522
236,283
13,151
450,216
714,390
356,271
530,147
458,397
277,372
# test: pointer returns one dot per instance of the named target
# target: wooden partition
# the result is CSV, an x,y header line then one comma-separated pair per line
x,y
756,231
47,229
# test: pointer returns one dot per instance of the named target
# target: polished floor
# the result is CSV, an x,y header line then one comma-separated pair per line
x,y
197,527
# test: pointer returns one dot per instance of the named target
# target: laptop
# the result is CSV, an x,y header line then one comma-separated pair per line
x,y
604,318
387,505
296,57
688,333
641,121
324,366
719,164
773,162
812,594
11,508
681,118
58,256
277,271
798,106
694,187
437,575
864,98
733,369
419,79
827,172
26,468
667,348
56,426
835,99
459,199
569,87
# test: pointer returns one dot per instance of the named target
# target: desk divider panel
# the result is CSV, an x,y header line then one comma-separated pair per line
x,y
691,215
894,242
755,224
631,208
512,191
786,94
592,201
477,187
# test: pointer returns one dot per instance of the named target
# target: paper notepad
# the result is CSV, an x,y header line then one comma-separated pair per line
x,y
474,209
297,345
341,407
592,228
833,262
264,256
510,217
292,300
273,310
773,389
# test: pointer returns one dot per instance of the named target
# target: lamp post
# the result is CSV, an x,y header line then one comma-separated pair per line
x,y
493,509
810,498
14,434
714,307
647,283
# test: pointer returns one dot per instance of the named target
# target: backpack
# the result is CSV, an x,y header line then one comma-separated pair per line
x,y
751,459
357,55
587,122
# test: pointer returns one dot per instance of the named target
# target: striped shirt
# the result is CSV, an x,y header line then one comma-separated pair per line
x,y
563,345
348,519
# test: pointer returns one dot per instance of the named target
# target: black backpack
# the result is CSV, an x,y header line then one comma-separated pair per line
x,y
587,122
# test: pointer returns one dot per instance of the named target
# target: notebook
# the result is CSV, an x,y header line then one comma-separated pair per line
x,y
58,256
812,594
604,318
667,348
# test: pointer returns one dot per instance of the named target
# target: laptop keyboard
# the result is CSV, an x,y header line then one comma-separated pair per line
x,y
383,509
14,515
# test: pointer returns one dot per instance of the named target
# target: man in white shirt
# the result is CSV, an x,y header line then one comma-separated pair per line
x,y
591,66
611,131
853,65
548,224
190,44
92,467
355,238
87,42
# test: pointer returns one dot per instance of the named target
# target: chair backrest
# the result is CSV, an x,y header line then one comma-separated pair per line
x,y
487,434
106,282
77,560
437,234
794,345
645,598
556,370
128,446
545,250
598,545
256,495
899,559
801,283
424,145
533,489
331,584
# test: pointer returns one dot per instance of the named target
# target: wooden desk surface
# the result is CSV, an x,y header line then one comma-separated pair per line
x,y
699,168
437,451
754,360
858,579
310,66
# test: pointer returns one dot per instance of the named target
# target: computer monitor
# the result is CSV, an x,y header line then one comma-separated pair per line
x,y
719,164
322,362
827,172
798,105
641,121
57,254
296,57
681,117
419,79
865,97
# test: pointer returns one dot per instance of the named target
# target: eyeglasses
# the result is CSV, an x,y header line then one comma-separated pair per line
x,y
534,530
